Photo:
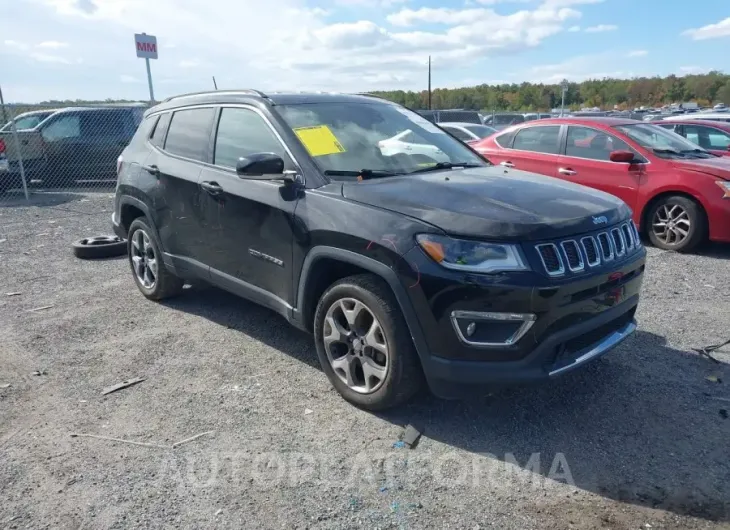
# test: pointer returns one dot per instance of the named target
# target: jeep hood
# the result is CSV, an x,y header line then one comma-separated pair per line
x,y
492,203
717,167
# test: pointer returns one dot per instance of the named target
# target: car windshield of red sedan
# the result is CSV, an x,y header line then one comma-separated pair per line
x,y
374,140
663,143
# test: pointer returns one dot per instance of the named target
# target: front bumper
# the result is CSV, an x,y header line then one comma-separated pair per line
x,y
560,353
577,320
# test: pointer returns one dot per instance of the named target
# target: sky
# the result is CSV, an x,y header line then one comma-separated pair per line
x,y
84,49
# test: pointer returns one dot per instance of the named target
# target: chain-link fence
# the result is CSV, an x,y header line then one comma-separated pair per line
x,y
47,147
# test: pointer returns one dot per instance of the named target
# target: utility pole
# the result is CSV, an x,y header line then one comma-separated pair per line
x,y
2,104
564,87
429,82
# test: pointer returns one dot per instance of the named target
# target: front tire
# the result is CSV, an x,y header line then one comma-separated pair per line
x,y
676,223
364,345
145,259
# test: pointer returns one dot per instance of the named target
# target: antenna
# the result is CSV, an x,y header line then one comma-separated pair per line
x,y
429,82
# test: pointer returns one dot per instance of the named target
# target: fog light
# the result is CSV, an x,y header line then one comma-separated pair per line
x,y
493,329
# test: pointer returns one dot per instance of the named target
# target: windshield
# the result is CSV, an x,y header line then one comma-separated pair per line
x,y
664,143
482,131
27,122
384,138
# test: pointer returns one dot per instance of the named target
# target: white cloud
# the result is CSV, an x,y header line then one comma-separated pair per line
x,y
637,53
693,70
307,50
369,3
28,50
600,28
48,58
52,44
14,44
578,69
711,31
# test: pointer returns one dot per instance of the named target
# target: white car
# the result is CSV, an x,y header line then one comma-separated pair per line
x,y
468,132
711,116
407,142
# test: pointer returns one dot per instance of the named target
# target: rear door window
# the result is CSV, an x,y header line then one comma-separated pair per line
x,y
538,139
189,133
65,126
95,124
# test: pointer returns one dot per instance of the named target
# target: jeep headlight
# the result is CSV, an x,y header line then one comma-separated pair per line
x,y
472,256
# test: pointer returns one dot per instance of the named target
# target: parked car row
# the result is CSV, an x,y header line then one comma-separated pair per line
x,y
677,190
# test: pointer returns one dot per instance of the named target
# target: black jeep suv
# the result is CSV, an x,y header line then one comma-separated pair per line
x,y
409,261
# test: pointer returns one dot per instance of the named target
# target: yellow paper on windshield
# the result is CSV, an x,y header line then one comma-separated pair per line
x,y
319,140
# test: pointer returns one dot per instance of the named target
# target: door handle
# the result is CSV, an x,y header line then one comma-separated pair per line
x,y
152,170
211,187
566,171
506,164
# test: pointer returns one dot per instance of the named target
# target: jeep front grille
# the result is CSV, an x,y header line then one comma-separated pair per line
x,y
588,252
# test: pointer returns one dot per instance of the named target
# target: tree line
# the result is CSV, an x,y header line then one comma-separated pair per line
x,y
705,89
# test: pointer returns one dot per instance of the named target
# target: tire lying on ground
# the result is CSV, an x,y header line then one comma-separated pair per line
x,y
99,247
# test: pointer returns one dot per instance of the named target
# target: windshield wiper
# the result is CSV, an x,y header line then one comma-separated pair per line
x,y
659,151
444,165
696,152
364,173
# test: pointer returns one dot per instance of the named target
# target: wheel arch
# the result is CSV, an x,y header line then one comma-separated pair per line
x,y
316,275
644,221
131,208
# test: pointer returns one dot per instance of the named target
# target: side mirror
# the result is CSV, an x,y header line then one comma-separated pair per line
x,y
260,164
624,157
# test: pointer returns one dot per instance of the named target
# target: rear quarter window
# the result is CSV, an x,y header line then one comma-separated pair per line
x,y
158,135
144,130
505,139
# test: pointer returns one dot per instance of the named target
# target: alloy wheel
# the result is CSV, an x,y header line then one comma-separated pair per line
x,y
356,345
671,224
144,260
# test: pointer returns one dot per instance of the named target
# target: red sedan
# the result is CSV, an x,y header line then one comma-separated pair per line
x,y
714,136
680,193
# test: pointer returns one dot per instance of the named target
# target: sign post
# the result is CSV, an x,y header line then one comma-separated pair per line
x,y
146,47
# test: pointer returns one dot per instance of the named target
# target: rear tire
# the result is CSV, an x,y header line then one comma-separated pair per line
x,y
676,223
377,380
153,279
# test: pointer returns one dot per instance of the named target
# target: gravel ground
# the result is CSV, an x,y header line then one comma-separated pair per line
x,y
639,439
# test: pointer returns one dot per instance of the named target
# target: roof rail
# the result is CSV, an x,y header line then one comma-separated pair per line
x,y
369,95
249,91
